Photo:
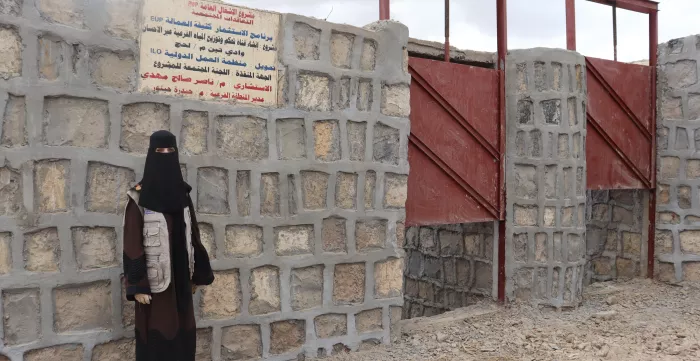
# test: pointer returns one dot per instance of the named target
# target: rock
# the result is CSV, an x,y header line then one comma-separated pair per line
x,y
605,315
441,337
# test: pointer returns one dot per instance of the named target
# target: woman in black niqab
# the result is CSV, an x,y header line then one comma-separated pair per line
x,y
165,327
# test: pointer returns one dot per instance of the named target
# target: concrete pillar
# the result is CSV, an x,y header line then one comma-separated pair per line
x,y
546,176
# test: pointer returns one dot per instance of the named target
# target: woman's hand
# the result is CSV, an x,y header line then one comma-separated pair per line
x,y
143,299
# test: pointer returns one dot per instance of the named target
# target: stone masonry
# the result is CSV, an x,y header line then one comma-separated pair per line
x,y
448,267
616,234
545,157
300,206
678,163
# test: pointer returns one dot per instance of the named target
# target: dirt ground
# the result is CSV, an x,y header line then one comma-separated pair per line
x,y
632,320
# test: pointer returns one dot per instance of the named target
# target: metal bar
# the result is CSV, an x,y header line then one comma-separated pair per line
x,y
640,6
570,25
384,10
651,243
435,94
616,97
447,31
595,125
614,13
473,193
502,51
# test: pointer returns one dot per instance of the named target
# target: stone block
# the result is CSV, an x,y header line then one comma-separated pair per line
x,y
264,290
11,48
50,53
11,7
116,70
369,321
357,140
550,216
341,49
540,76
106,187
222,299
203,344
139,121
327,140
83,307
622,215
680,74
395,190
51,185
331,325
365,95
76,122
632,243
536,143
242,138
95,247
128,307
241,342
122,18
541,247
291,139
668,218
243,192
370,234
294,240
626,268
576,247
520,246
664,242
525,181
42,251
11,201
70,352
369,55
349,283
243,241
386,144
14,123
314,186
66,12
22,319
269,195
346,190
526,112
370,184
665,272
662,138
692,167
207,236
307,287
119,350
552,111
400,234
287,336
388,278
684,197
5,252
472,244
693,107
525,215
691,271
681,139
396,100
563,150
313,92
212,190
345,94
195,127
334,235
672,108
690,241
307,40
451,243
567,216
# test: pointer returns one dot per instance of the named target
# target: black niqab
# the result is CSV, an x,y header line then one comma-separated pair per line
x,y
162,188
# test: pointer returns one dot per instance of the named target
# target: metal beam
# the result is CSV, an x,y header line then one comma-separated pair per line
x,y
384,10
570,25
640,6
447,31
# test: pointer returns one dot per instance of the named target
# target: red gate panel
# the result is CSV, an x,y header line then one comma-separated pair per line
x,y
454,144
619,131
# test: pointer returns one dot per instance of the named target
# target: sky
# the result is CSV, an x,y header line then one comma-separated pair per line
x,y
531,23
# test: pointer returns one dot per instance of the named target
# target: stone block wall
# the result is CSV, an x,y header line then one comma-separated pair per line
x,y
301,206
616,234
678,162
448,267
546,164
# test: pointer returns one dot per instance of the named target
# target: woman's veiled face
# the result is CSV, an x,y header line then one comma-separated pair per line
x,y
165,150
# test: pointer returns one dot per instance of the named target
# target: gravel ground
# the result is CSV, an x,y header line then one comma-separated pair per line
x,y
633,320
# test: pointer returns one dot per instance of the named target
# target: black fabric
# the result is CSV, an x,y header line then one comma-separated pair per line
x,y
135,268
182,348
163,189
179,262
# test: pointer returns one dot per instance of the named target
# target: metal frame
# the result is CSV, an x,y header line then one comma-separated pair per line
x,y
502,46
645,7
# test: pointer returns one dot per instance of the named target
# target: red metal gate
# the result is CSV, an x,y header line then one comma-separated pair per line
x,y
620,129
455,144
